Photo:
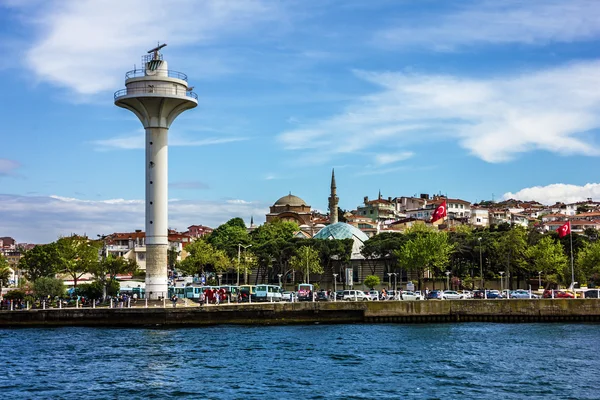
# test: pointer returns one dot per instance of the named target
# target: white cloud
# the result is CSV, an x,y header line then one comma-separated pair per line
x,y
136,142
390,158
557,192
8,167
494,119
532,22
87,45
42,219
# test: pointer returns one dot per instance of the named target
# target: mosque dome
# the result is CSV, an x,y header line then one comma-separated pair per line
x,y
342,230
290,200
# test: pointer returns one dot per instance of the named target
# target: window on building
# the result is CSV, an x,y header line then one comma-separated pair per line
x,y
478,219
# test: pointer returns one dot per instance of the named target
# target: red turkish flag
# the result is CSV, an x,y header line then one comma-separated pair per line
x,y
564,230
440,212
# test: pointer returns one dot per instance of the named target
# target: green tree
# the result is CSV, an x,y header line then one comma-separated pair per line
x,y
77,256
307,261
172,255
548,257
202,256
511,248
4,270
371,281
105,272
40,261
426,249
273,245
44,287
227,236
588,262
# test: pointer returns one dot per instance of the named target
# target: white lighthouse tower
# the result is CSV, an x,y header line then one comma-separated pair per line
x,y
156,96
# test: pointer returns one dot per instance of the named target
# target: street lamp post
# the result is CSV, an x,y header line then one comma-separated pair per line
x,y
501,281
279,276
307,272
238,266
389,274
447,280
219,276
395,283
335,287
480,263
539,280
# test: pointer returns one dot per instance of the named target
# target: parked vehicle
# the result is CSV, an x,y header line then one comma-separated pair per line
x,y
452,295
268,293
322,296
522,294
478,294
592,294
434,294
558,294
390,295
411,296
354,295
467,294
493,294
305,292
374,294
287,296
339,295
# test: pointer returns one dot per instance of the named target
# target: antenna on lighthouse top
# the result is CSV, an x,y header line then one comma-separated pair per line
x,y
157,48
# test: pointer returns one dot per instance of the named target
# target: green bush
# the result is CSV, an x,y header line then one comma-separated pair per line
x,y
371,281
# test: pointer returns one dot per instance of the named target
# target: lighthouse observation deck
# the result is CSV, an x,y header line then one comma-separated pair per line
x,y
155,80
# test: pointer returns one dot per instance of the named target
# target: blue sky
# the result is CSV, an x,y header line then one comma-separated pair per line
x,y
476,99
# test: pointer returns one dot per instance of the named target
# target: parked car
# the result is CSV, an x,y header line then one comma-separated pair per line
x,y
434,294
522,294
339,295
467,294
478,294
592,294
287,295
322,296
354,295
452,295
558,294
494,294
374,294
411,296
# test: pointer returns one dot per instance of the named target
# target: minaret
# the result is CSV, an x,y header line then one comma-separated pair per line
x,y
333,201
156,96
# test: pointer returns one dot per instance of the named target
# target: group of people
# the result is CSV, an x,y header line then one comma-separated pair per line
x,y
214,296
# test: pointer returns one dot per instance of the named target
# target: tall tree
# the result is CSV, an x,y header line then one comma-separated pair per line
x,y
105,272
512,246
426,249
548,257
307,261
77,256
203,257
4,272
588,263
40,261
226,237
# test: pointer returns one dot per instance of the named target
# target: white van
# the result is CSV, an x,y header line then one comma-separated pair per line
x,y
354,295
268,293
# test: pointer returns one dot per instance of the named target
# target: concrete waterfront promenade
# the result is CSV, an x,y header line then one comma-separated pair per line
x,y
516,310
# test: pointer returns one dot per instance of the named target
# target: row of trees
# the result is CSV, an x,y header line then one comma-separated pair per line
x,y
475,255
472,255
74,256
271,249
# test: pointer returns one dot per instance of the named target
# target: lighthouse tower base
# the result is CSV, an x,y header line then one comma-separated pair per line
x,y
156,271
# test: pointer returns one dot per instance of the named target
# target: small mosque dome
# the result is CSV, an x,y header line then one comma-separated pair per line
x,y
290,200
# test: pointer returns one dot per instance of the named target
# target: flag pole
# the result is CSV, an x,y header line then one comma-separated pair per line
x,y
572,269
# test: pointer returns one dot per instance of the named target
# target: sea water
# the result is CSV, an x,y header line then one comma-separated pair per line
x,y
354,361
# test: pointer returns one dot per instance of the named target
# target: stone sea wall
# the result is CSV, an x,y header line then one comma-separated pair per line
x,y
525,310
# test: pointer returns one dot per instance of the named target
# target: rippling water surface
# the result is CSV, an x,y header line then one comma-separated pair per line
x,y
444,361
